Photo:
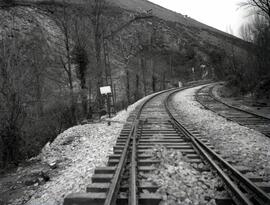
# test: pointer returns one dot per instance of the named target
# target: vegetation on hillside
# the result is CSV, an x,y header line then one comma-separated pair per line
x,y
55,56
254,77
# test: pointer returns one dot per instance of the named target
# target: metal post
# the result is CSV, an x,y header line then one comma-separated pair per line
x,y
109,108
114,98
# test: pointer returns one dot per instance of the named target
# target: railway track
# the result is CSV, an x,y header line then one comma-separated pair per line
x,y
121,182
246,118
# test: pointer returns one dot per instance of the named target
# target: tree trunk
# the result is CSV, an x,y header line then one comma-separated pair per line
x,y
73,107
84,95
98,45
39,96
127,85
106,61
163,81
84,102
153,74
72,99
89,113
137,87
171,67
70,79
98,24
143,67
154,83
114,98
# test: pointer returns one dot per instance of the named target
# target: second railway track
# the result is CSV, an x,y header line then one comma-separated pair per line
x,y
246,118
121,182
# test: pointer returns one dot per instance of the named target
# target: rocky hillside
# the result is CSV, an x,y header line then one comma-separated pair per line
x,y
163,13
186,42
54,56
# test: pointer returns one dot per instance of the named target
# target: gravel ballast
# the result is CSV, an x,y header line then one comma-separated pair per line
x,y
239,144
75,154
181,182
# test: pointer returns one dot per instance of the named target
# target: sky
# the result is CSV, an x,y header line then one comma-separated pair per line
x,y
220,14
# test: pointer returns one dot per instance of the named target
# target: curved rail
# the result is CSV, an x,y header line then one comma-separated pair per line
x,y
263,120
114,188
109,193
222,167
234,107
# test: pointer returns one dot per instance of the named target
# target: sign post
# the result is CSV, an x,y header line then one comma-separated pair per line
x,y
106,90
193,73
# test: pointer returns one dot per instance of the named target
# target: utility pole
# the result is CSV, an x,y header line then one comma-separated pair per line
x,y
109,107
108,73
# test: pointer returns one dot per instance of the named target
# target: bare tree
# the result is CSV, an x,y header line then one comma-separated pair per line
x,y
64,51
129,47
80,59
156,45
262,6
261,38
246,32
12,84
137,84
97,19
143,41
39,62
258,32
152,47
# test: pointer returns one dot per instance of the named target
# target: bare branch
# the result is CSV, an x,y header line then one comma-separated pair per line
x,y
262,6
140,17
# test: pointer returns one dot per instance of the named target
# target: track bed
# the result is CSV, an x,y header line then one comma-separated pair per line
x,y
152,126
246,118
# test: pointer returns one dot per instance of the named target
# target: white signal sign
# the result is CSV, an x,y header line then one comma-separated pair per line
x,y
105,90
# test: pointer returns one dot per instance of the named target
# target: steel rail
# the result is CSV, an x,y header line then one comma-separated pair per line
x,y
234,107
133,199
111,196
226,104
205,106
240,197
115,183
209,154
262,196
